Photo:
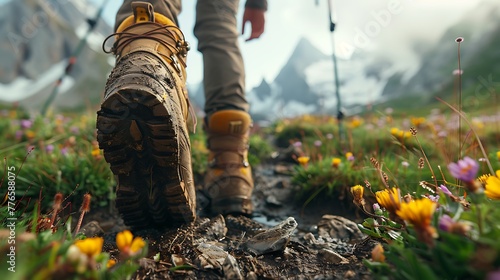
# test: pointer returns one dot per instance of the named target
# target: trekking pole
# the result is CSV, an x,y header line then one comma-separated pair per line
x,y
340,114
72,59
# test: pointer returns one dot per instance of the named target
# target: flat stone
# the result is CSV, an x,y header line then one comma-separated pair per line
x,y
212,256
337,227
216,228
178,260
273,201
231,269
283,170
92,229
251,276
332,257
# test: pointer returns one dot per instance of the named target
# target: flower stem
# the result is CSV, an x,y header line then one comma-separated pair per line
x,y
479,219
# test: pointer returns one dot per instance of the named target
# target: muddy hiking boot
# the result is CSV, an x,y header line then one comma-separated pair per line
x,y
142,123
228,181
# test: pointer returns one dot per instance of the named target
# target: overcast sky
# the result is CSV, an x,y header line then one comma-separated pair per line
x,y
385,28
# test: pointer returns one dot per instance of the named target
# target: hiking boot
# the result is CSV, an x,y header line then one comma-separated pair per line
x,y
229,181
142,122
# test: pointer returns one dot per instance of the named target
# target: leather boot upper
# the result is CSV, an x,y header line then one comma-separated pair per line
x,y
229,175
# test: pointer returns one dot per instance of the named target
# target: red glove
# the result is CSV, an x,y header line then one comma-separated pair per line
x,y
257,20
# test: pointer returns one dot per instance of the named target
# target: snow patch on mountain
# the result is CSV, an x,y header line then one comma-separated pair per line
x,y
22,88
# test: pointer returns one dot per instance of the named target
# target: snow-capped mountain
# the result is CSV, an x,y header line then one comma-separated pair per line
x,y
36,40
306,82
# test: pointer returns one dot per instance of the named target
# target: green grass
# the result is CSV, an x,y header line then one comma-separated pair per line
x,y
56,154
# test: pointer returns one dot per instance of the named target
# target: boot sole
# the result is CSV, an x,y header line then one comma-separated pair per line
x,y
141,136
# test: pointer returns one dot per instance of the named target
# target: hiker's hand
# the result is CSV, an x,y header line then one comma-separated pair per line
x,y
257,20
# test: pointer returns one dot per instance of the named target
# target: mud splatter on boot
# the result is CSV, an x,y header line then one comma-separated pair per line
x,y
141,125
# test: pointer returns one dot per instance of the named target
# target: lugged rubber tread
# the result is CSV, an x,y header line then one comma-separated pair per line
x,y
138,128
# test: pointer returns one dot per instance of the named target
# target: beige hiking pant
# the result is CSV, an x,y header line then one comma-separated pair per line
x,y
216,30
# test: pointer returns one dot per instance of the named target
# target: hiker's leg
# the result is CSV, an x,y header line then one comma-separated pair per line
x,y
224,73
228,181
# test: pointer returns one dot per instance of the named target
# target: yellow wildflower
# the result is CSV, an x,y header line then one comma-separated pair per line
x,y
389,199
336,162
96,153
355,122
59,121
498,155
303,161
477,123
483,178
83,120
71,140
419,213
349,156
110,263
307,118
30,134
417,121
378,253
493,186
357,192
128,244
90,246
279,128
394,131
401,134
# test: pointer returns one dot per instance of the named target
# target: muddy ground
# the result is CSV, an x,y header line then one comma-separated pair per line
x,y
326,243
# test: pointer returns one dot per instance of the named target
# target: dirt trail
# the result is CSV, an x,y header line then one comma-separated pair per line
x,y
324,245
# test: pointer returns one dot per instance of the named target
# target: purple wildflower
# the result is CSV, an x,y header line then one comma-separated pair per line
x,y
64,151
317,143
405,164
493,275
445,190
376,209
25,124
445,223
433,198
18,135
49,148
329,136
465,169
297,144
349,156
74,130
442,134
